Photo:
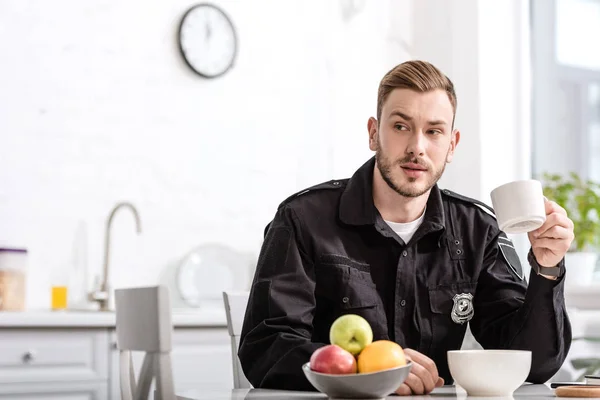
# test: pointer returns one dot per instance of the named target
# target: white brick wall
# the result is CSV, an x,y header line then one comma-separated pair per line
x,y
96,107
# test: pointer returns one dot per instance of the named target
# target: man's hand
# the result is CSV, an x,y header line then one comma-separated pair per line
x,y
423,377
551,241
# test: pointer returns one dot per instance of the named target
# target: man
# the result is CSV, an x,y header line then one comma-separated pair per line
x,y
417,262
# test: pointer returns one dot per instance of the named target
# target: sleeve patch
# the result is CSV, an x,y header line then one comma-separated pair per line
x,y
509,253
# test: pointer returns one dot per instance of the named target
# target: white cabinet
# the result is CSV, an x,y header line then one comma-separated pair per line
x,y
201,358
55,391
43,364
49,355
52,363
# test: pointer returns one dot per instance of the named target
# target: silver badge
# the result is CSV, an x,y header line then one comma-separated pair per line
x,y
462,311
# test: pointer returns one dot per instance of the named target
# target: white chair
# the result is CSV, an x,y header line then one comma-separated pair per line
x,y
144,324
235,308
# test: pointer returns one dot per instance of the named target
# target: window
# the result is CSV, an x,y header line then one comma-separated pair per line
x,y
565,38
566,87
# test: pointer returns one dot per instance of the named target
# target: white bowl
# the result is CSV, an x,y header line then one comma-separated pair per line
x,y
489,373
372,385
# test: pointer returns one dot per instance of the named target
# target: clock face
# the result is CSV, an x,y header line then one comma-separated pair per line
x,y
207,40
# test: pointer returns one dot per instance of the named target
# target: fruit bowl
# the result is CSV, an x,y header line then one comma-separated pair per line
x,y
372,385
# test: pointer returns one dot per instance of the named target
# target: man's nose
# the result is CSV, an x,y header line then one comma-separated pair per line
x,y
416,144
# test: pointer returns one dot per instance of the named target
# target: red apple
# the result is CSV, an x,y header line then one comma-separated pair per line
x,y
332,359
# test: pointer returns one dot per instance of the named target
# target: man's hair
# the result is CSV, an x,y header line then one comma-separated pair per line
x,y
420,76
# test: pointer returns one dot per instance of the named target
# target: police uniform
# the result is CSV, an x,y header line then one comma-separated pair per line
x,y
328,252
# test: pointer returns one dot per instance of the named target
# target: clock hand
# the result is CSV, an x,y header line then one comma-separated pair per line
x,y
208,27
208,31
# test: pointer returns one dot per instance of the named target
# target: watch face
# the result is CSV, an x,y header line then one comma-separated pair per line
x,y
207,40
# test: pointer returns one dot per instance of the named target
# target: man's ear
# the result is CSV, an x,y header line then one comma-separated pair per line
x,y
455,138
372,127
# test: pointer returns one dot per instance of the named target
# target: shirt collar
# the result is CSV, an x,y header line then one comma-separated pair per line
x,y
357,207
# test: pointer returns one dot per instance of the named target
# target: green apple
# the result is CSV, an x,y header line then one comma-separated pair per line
x,y
351,332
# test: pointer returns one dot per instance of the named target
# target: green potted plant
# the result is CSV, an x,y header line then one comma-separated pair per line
x,y
581,199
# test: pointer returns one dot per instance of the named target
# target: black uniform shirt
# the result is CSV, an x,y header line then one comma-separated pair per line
x,y
328,252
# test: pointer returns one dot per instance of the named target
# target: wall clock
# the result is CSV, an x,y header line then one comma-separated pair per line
x,y
207,40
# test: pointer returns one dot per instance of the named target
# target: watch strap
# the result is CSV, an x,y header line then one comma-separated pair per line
x,y
557,271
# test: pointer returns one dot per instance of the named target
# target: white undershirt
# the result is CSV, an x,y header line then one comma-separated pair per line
x,y
406,230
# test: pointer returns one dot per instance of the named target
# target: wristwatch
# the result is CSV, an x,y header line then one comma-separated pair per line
x,y
557,271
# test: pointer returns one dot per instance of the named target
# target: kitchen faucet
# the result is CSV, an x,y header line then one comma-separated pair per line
x,y
101,294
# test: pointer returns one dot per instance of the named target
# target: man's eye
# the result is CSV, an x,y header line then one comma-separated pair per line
x,y
435,131
401,127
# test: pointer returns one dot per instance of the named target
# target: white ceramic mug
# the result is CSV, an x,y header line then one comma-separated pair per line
x,y
519,206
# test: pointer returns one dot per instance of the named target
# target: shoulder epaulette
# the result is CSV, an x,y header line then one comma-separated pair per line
x,y
332,184
489,210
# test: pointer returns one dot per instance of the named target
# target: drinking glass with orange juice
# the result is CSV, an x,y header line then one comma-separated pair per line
x,y
59,297
59,290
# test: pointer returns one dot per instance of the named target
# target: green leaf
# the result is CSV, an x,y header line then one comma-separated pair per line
x,y
581,199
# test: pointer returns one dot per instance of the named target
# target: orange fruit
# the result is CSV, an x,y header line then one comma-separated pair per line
x,y
380,355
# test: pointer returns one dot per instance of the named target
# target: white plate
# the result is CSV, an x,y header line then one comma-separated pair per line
x,y
208,270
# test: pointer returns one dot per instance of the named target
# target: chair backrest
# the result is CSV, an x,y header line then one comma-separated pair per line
x,y
235,309
144,324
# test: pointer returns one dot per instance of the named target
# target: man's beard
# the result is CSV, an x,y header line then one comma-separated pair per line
x,y
385,168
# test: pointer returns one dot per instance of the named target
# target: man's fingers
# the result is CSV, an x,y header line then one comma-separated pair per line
x,y
556,232
403,390
415,383
423,375
427,382
552,206
422,359
555,246
554,219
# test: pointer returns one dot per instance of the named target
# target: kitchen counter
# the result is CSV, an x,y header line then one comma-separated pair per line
x,y
68,354
209,317
583,297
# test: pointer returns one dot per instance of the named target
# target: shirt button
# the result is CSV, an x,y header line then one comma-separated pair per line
x,y
459,251
404,253
403,303
457,242
345,300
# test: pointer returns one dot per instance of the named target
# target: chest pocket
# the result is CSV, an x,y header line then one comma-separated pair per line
x,y
452,307
345,286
